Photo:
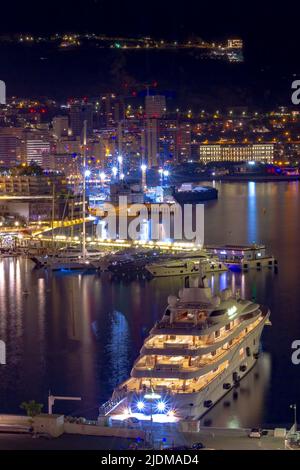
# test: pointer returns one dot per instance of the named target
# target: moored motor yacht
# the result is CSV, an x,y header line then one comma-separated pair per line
x,y
200,349
184,266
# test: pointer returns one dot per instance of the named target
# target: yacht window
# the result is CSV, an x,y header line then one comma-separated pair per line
x,y
217,333
216,313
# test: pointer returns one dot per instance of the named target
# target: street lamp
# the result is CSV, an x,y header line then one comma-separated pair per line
x,y
102,177
144,169
151,396
120,161
161,172
294,407
114,171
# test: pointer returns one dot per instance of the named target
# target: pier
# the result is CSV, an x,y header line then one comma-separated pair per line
x,y
57,432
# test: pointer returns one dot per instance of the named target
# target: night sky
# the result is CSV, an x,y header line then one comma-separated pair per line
x,y
270,33
271,30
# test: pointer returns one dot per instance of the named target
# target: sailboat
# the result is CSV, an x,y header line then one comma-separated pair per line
x,y
71,260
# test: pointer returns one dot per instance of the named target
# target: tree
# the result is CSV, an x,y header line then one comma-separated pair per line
x,y
32,408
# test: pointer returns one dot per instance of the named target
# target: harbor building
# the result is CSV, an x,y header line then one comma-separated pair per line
x,y
237,152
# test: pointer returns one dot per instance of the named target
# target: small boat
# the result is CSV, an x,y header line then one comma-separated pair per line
x,y
185,266
188,193
244,257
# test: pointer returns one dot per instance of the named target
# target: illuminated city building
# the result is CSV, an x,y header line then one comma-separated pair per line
x,y
60,126
10,150
36,149
237,153
80,112
111,110
235,44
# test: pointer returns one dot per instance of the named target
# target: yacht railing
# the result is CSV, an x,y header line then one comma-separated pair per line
x,y
112,403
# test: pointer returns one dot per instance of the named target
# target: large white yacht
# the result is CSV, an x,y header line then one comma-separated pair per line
x,y
184,267
69,259
201,348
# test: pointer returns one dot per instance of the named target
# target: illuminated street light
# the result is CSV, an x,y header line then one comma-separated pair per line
x,y
161,406
120,162
102,177
87,173
114,171
140,405
122,176
166,172
143,168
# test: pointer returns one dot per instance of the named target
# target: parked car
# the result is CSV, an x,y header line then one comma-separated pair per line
x,y
255,433
197,446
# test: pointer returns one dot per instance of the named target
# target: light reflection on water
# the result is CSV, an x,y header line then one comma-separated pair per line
x,y
80,334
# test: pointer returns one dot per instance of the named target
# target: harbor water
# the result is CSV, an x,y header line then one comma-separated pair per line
x,y
79,335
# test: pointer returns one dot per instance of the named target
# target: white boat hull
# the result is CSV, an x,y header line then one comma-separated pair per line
x,y
193,405
164,271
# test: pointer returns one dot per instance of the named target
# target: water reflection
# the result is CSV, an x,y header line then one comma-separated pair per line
x,y
244,406
79,335
252,212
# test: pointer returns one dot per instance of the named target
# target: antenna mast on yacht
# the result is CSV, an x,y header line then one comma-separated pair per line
x,y
84,193
53,214
202,275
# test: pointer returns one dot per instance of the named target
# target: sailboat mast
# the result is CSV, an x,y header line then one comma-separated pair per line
x,y
84,193
52,214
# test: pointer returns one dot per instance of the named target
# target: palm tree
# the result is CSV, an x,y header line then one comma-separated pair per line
x,y
32,408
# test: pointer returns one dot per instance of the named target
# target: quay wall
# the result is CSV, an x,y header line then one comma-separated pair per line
x,y
55,426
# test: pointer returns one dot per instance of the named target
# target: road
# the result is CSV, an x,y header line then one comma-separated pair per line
x,y
218,439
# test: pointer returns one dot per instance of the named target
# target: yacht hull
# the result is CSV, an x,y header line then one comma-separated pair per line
x,y
196,404
164,271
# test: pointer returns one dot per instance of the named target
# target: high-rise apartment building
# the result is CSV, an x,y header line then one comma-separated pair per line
x,y
60,126
151,142
10,150
36,150
112,110
80,112
155,106
184,142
